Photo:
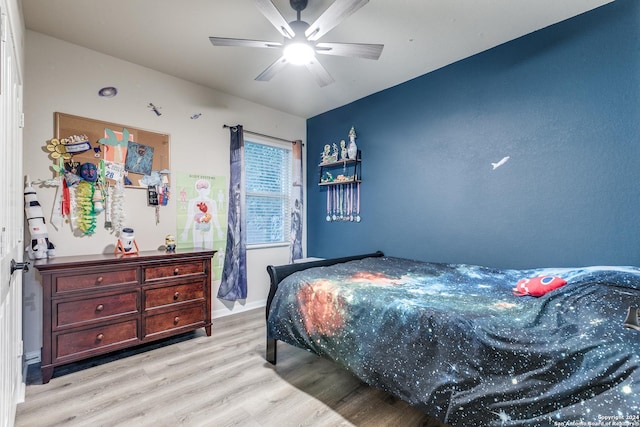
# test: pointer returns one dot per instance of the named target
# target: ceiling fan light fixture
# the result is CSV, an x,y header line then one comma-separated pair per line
x,y
299,53
300,43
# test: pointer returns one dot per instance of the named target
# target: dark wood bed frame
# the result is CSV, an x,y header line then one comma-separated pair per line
x,y
278,273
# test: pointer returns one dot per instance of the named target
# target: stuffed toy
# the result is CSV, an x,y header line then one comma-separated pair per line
x,y
40,246
538,286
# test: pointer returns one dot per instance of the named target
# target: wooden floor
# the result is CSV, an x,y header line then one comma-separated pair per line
x,y
222,380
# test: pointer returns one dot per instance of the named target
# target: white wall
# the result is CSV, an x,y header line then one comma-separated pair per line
x,y
62,77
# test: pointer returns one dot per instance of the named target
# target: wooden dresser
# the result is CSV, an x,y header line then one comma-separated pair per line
x,y
95,304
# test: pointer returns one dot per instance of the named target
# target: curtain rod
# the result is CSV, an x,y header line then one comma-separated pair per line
x,y
261,134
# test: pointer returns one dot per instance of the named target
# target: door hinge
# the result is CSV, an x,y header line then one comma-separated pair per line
x,y
3,25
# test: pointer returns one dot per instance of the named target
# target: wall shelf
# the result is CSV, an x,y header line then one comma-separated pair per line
x,y
349,170
351,181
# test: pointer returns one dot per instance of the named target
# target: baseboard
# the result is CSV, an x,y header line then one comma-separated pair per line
x,y
238,308
31,358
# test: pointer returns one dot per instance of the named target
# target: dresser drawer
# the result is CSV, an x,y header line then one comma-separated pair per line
x,y
170,270
90,280
100,337
67,313
191,317
155,297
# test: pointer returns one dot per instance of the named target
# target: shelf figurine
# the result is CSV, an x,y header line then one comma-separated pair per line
x,y
326,154
170,243
352,149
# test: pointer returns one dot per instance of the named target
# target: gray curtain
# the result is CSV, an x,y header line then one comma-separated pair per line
x,y
297,194
234,274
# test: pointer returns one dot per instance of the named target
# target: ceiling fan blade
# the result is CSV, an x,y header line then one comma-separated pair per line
x,y
222,41
272,69
358,50
331,17
274,16
320,73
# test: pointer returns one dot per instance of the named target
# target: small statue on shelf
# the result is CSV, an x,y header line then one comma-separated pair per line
x,y
352,149
328,156
343,150
327,177
324,156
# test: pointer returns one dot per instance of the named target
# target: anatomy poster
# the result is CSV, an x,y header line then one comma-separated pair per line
x,y
202,215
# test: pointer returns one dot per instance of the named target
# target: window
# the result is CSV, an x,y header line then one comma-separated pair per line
x,y
268,188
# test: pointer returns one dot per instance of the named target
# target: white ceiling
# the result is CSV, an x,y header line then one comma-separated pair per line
x,y
172,37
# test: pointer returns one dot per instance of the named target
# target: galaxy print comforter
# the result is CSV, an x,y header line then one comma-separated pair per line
x,y
455,341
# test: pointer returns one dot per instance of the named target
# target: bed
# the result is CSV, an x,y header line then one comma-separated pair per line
x,y
455,341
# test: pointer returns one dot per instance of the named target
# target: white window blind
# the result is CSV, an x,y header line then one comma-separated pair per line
x,y
268,189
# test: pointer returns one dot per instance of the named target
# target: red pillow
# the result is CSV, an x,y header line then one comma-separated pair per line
x,y
538,286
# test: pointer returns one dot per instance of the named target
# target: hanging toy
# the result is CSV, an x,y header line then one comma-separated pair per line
x,y
107,211
73,207
97,200
65,148
40,246
66,199
89,172
118,213
84,202
57,149
61,207
56,214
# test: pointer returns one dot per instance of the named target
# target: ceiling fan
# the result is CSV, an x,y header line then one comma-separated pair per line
x,y
300,44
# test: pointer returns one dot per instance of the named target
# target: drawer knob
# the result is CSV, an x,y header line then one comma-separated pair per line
x,y
176,271
100,307
99,337
99,279
176,295
176,320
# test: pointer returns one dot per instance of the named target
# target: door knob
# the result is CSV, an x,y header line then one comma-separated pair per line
x,y
19,266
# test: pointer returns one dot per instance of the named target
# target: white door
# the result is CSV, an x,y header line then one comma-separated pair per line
x,y
11,210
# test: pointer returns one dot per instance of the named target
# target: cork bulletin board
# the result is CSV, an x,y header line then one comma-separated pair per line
x,y
156,143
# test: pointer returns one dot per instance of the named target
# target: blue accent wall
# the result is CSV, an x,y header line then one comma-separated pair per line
x,y
563,103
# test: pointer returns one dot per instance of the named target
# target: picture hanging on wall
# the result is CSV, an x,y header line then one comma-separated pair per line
x,y
139,158
201,220
115,145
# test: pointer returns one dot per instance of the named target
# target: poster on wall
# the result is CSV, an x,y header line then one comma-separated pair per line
x,y
202,215
139,158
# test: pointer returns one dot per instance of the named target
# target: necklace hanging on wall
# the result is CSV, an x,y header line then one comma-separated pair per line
x,y
335,204
358,203
340,203
351,202
343,202
346,203
328,204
